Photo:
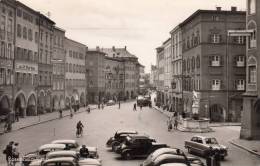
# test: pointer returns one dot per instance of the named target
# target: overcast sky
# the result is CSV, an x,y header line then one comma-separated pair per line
x,y
141,25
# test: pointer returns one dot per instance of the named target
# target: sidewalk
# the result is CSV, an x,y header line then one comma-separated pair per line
x,y
252,146
168,114
34,120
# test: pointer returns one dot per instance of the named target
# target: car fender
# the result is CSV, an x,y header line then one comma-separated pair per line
x,y
126,151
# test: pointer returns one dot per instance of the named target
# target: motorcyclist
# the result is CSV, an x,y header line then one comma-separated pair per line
x,y
79,128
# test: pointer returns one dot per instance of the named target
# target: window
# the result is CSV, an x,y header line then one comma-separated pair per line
x,y
240,61
252,39
252,6
215,60
198,62
9,51
30,35
70,53
215,18
19,13
9,25
24,33
215,38
252,74
36,37
2,51
2,76
216,84
19,30
239,39
240,84
3,23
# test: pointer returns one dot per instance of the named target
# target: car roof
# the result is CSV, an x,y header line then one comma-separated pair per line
x,y
164,150
64,141
69,159
90,161
169,156
174,164
126,131
52,146
62,152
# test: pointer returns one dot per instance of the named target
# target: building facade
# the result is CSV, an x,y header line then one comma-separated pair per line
x,y
153,76
75,76
250,128
45,71
58,62
95,75
176,85
7,45
160,63
213,63
131,70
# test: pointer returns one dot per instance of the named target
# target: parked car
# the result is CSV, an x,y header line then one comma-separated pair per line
x,y
41,152
139,146
66,161
175,158
201,146
111,102
174,151
119,137
73,145
143,101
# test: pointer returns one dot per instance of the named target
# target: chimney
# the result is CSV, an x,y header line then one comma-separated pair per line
x,y
97,48
113,48
125,47
218,8
233,8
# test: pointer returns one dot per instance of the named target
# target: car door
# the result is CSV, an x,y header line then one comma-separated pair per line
x,y
137,147
201,146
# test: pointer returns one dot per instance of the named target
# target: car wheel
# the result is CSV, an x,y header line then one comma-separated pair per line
x,y
127,156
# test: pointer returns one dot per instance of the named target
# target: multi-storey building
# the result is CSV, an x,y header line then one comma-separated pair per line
x,y
7,40
141,83
26,60
75,76
45,50
131,70
95,75
160,60
167,72
58,62
213,63
114,78
153,76
176,85
251,108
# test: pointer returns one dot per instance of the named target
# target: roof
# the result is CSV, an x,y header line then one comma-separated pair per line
x,y
26,7
198,12
52,146
64,141
69,159
75,41
117,52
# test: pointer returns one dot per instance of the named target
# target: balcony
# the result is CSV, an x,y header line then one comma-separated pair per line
x,y
241,87
215,87
252,43
240,64
215,63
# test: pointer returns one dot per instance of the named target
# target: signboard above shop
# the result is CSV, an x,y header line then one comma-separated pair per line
x,y
26,68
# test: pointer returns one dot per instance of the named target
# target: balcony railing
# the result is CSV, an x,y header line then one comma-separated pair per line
x,y
240,87
215,87
240,64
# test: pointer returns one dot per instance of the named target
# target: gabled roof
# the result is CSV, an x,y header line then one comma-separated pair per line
x,y
117,52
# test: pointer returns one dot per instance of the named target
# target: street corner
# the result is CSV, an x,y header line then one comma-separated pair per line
x,y
251,146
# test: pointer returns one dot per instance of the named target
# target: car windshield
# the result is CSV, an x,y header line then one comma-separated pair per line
x,y
211,141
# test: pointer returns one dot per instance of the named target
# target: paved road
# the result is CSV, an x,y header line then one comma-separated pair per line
x,y
101,124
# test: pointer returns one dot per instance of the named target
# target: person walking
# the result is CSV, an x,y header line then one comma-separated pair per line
x,y
175,123
9,153
71,113
169,124
119,104
141,107
17,114
60,112
102,106
134,109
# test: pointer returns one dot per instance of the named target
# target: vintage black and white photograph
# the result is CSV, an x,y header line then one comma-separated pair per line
x,y
129,83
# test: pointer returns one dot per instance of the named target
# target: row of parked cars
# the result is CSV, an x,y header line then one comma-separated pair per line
x,y
131,144
61,152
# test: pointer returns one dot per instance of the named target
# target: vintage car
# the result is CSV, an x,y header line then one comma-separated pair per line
x,y
119,137
138,146
174,158
174,151
41,152
66,161
111,102
73,145
143,101
204,145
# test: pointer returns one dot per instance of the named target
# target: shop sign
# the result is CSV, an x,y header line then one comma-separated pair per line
x,y
28,68
6,63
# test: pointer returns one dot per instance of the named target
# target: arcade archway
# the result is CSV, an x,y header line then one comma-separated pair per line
x,y
82,99
48,102
62,102
56,104
68,102
31,106
20,104
4,106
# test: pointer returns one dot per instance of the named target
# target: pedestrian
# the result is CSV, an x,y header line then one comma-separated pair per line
x,y
169,124
71,113
17,115
118,104
9,153
15,153
102,106
60,111
98,105
134,109
141,107
175,123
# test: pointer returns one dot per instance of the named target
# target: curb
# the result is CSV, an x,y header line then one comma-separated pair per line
x,y
244,148
37,123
